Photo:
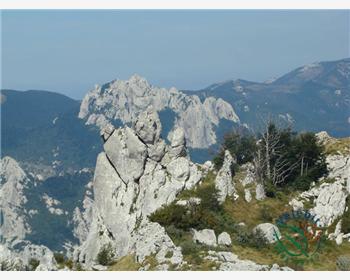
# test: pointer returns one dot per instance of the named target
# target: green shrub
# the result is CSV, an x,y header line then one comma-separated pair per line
x,y
265,214
240,146
243,236
106,255
247,238
189,247
33,264
60,259
346,218
258,240
343,263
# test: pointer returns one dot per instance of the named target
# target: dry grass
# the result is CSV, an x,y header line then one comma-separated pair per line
x,y
338,146
126,263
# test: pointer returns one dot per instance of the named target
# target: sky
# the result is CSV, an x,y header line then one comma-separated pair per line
x,y
71,51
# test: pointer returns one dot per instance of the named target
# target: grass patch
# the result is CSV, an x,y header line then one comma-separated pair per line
x,y
126,263
338,146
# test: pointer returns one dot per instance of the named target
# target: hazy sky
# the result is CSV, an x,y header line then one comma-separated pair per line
x,y
70,51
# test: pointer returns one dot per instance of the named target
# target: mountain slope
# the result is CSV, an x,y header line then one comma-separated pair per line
x,y
41,130
313,97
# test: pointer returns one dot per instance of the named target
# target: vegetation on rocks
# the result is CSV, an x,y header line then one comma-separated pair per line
x,y
106,255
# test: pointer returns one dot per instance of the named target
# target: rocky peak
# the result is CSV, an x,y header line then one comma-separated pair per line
x,y
135,175
126,100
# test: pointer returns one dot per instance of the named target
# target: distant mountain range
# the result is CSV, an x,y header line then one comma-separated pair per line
x,y
53,133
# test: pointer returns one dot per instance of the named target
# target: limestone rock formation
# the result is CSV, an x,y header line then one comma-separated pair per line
x,y
228,261
223,181
20,259
133,178
224,239
260,192
269,231
329,197
126,100
13,225
205,236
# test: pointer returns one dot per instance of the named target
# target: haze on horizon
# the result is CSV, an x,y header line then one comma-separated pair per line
x,y
70,51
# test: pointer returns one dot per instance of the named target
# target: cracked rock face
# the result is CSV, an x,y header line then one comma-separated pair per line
x,y
132,180
13,225
223,181
126,100
330,198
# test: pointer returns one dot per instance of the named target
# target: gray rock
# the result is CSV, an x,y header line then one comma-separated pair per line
x,y
247,195
148,126
205,236
296,204
269,231
224,239
14,181
179,169
106,132
260,192
127,154
177,143
122,203
156,151
223,181
330,203
104,104
41,253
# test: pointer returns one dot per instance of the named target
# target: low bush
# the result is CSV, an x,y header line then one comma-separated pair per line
x,y
60,259
346,218
106,255
33,264
246,237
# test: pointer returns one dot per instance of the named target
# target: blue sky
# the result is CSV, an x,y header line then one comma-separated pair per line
x,y
70,51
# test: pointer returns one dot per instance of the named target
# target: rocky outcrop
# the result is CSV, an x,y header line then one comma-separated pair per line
x,y
329,198
21,258
132,181
228,261
224,239
13,224
126,100
269,231
205,236
260,192
223,181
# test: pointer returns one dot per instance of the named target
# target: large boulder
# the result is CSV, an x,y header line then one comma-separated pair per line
x,y
177,142
205,237
223,181
269,231
148,126
224,239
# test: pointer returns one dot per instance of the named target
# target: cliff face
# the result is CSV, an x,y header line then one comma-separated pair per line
x,y
125,100
13,224
135,175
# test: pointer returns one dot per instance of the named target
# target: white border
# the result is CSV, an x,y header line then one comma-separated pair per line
x,y
175,4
